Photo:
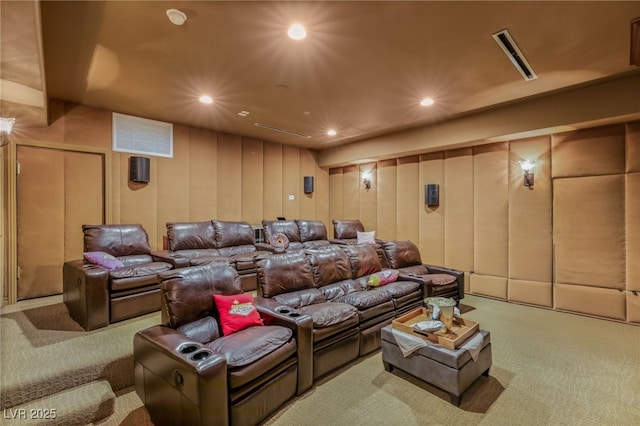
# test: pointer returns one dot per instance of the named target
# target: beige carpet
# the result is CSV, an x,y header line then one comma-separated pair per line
x,y
549,368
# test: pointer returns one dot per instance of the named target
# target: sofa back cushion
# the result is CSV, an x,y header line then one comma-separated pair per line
x,y
401,254
190,235
283,273
363,259
187,293
287,227
311,230
116,240
231,234
346,229
329,265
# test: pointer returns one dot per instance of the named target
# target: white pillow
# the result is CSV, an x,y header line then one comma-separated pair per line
x,y
367,237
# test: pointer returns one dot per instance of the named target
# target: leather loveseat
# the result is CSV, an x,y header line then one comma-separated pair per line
x,y
96,296
330,284
188,373
300,234
194,243
439,281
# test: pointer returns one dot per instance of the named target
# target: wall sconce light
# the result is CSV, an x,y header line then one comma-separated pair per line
x,y
526,166
6,124
366,180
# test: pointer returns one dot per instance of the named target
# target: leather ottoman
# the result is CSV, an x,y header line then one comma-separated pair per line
x,y
450,370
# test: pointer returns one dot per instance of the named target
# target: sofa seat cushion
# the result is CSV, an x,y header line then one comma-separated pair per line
x,y
329,314
203,260
401,288
316,244
195,253
363,300
338,289
151,268
258,349
299,298
118,286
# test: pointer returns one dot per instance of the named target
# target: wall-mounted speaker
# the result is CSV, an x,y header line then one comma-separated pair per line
x,y
308,184
139,168
432,194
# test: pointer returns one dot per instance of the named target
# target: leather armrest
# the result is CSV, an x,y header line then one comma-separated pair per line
x,y
274,313
176,260
455,272
418,279
269,248
86,293
166,358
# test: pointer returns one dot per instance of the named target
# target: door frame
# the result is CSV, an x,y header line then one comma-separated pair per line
x,y
10,262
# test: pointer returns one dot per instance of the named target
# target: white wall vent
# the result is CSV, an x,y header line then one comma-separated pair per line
x,y
142,136
506,43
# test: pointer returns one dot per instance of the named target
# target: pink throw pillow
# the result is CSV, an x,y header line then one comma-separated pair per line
x,y
103,259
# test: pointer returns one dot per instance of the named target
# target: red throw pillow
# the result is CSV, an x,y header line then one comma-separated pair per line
x,y
237,312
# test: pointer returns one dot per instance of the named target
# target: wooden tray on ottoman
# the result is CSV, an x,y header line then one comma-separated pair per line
x,y
461,331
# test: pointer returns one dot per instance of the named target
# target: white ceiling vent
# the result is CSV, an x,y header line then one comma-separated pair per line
x,y
505,41
142,136
277,129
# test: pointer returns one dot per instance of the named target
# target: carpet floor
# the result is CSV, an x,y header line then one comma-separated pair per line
x,y
549,368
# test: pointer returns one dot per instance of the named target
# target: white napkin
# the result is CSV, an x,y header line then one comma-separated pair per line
x,y
408,343
473,345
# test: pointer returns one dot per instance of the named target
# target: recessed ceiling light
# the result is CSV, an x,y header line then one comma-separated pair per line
x,y
206,99
176,17
426,102
332,132
297,32
243,113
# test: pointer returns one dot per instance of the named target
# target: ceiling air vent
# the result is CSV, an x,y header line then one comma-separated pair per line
x,y
277,129
505,41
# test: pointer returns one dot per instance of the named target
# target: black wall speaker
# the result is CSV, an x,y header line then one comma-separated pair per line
x,y
432,194
139,168
308,184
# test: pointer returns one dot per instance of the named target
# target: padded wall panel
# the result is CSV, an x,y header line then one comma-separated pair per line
x,y
352,187
172,185
633,231
633,146
273,196
431,219
83,198
601,302
87,127
229,177
307,201
139,201
203,179
530,215
336,197
596,151
252,176
491,202
530,292
488,285
633,307
368,207
408,196
321,197
458,183
589,231
291,181
387,199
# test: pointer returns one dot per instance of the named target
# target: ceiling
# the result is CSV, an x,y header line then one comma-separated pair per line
x,y
362,70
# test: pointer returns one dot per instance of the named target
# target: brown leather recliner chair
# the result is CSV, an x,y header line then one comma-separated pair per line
x,y
188,373
345,231
438,281
96,296
301,234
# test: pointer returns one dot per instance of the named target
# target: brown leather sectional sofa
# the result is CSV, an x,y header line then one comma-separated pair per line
x,y
330,284
194,243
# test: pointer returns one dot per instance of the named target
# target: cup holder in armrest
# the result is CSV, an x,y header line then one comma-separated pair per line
x,y
288,311
200,355
188,348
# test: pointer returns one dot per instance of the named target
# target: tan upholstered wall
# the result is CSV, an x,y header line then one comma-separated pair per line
x,y
571,243
211,175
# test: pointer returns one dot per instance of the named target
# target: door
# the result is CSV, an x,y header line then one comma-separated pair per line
x,y
57,192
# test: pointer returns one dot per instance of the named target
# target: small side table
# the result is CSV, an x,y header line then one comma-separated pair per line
x,y
450,370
